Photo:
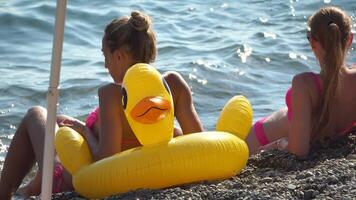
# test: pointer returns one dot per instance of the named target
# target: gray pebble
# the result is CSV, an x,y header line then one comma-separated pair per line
x,y
266,180
291,186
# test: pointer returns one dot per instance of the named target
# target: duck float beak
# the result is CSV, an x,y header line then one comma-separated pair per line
x,y
151,110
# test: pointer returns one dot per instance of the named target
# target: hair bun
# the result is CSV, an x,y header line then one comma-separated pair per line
x,y
139,21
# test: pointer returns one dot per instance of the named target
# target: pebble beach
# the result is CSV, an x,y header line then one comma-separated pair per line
x,y
329,172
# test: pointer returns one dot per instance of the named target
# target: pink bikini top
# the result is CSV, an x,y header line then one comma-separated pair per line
x,y
317,82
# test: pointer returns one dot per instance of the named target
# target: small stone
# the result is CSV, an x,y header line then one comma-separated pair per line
x,y
309,180
238,185
318,173
315,192
332,180
291,186
305,175
309,174
267,180
300,194
321,187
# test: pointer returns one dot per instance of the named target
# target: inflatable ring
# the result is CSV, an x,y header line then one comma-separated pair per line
x,y
236,117
162,161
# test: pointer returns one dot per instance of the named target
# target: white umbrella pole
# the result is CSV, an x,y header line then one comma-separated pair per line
x,y
52,98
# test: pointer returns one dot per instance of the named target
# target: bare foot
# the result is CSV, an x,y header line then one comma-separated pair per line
x,y
28,191
23,192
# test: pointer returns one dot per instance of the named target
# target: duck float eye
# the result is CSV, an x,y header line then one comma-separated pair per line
x,y
124,98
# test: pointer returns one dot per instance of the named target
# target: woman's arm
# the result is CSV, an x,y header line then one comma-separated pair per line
x,y
81,128
110,134
183,104
301,125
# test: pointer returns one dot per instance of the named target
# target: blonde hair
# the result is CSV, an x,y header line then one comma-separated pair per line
x,y
330,26
134,34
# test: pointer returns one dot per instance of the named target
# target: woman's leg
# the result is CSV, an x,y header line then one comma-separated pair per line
x,y
272,128
26,147
33,188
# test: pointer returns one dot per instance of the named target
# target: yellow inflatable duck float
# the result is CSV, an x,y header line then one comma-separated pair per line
x,y
162,160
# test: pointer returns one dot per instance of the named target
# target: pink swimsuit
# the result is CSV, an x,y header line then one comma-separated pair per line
x,y
58,180
258,126
94,117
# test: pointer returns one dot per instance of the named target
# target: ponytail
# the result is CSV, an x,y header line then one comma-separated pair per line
x,y
331,27
330,75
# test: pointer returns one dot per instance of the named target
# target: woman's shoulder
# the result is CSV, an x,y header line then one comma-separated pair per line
x,y
174,80
305,77
109,90
307,81
173,76
109,86
177,84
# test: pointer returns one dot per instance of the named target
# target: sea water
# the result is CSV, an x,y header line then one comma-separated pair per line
x,y
221,48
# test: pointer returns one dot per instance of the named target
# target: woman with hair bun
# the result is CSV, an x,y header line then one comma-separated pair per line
x,y
127,40
318,105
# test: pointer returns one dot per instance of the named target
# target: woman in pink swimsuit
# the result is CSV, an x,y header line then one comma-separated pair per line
x,y
127,41
318,105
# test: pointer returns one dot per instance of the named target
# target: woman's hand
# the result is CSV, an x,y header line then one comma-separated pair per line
x,y
84,131
75,125
281,144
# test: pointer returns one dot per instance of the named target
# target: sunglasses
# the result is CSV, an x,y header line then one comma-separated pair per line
x,y
309,36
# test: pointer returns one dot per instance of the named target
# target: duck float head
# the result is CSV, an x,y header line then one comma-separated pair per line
x,y
148,104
